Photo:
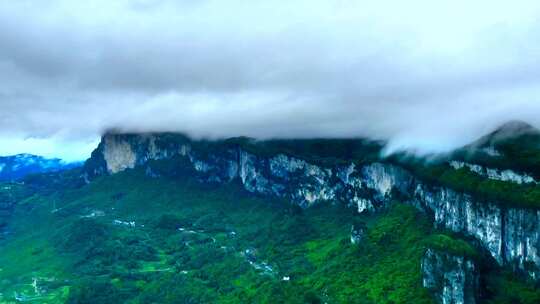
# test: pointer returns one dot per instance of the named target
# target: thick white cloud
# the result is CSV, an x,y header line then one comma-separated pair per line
x,y
427,75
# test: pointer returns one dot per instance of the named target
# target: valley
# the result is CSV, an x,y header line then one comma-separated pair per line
x,y
167,240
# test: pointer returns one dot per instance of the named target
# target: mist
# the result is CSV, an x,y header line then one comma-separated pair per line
x,y
425,76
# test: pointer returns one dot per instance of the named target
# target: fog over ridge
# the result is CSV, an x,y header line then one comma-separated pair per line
x,y
427,77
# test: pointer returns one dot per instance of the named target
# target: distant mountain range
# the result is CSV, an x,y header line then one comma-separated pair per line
x,y
18,166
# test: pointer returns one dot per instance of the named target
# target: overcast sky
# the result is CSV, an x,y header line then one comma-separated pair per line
x,y
427,75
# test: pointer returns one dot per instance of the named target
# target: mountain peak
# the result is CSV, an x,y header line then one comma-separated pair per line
x,y
510,130
515,127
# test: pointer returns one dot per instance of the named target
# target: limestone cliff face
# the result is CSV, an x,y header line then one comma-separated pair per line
x,y
511,236
501,175
118,155
451,279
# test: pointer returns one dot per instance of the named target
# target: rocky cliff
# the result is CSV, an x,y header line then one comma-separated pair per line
x,y
452,279
510,235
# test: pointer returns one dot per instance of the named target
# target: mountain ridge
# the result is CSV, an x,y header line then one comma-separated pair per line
x,y
461,199
464,224
18,166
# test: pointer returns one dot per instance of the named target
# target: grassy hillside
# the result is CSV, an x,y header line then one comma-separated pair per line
x,y
131,239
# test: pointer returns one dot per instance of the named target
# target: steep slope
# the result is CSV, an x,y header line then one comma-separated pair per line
x,y
510,234
161,217
513,146
18,166
134,237
131,238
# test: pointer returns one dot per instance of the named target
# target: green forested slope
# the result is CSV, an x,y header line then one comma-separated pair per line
x,y
127,238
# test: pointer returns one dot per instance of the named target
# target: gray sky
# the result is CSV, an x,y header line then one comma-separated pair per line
x,y
427,75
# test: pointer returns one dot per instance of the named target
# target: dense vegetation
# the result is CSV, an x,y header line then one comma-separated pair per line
x,y
464,180
128,238
517,145
139,240
320,151
447,243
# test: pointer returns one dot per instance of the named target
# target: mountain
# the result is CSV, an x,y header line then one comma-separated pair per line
x,y
511,130
162,218
513,146
18,166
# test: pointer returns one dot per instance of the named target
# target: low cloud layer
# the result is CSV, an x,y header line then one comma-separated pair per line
x,y
426,75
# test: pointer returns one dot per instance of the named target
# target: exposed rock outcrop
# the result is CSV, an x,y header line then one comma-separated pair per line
x,y
451,279
496,174
358,232
510,235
